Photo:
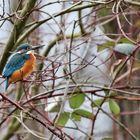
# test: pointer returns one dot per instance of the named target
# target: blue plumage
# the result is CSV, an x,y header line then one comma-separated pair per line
x,y
15,62
6,86
24,47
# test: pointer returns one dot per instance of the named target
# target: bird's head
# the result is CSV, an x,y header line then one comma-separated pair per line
x,y
26,48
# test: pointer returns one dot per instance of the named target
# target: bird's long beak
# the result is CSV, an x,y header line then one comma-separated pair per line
x,y
33,48
37,47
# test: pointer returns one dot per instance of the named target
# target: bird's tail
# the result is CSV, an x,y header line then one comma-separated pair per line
x,y
7,84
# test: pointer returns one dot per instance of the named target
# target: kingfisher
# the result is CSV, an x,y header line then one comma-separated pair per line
x,y
20,64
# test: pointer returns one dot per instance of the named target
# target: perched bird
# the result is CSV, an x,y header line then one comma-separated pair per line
x,y
20,64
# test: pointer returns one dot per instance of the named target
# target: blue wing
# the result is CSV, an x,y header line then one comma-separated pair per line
x,y
15,62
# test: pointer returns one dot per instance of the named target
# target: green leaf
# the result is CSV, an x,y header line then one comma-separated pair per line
x,y
75,117
124,48
106,45
107,139
114,107
106,92
112,93
55,108
75,101
63,119
97,102
84,113
124,40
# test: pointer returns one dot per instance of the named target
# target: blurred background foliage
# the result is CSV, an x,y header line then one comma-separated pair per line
x,y
86,82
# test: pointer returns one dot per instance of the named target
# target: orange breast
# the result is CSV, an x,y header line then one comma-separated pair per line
x,y
24,71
